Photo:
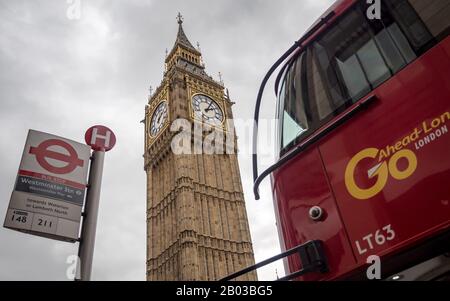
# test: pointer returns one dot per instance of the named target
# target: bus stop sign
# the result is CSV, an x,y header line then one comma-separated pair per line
x,y
50,187
100,138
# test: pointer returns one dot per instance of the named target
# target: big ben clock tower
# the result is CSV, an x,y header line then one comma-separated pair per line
x,y
197,227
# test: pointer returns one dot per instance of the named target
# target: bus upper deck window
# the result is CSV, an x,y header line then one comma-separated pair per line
x,y
356,55
294,116
352,53
434,14
351,58
410,22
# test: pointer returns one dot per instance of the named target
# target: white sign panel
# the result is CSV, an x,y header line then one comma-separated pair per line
x,y
49,192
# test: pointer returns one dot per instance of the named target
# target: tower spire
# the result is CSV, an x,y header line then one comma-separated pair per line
x,y
181,36
183,52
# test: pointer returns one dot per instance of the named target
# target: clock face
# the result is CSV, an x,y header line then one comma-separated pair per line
x,y
206,109
158,119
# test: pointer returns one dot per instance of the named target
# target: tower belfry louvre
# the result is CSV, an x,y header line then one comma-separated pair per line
x,y
197,226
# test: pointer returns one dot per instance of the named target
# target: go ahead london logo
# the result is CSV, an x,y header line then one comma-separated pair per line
x,y
388,158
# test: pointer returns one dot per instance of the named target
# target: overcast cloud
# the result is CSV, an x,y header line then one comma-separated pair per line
x,y
62,76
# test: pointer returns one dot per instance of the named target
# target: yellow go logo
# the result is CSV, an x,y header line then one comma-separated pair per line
x,y
380,171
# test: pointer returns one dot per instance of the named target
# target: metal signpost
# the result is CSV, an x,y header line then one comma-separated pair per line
x,y
50,187
101,139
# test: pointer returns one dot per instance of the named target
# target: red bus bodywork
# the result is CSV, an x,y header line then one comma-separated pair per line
x,y
411,118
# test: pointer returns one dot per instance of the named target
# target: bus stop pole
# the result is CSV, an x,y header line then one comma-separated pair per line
x,y
87,239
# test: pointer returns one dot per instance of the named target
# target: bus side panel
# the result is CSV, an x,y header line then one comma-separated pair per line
x,y
298,187
389,166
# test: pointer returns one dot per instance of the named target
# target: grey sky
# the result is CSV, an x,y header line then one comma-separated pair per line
x,y
62,76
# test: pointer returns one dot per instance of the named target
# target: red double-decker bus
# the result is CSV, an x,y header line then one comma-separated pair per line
x,y
363,104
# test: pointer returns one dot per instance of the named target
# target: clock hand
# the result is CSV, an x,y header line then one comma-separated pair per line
x,y
209,107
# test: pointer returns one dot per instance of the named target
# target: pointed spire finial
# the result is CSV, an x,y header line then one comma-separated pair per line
x,y
150,89
180,18
220,78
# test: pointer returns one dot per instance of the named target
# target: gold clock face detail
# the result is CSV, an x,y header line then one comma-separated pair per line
x,y
158,119
207,110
